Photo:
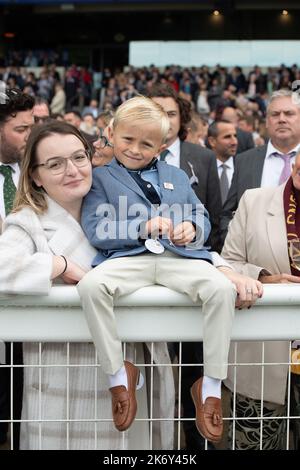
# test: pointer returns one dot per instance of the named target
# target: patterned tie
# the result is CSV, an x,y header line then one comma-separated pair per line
x,y
9,189
286,171
163,155
224,183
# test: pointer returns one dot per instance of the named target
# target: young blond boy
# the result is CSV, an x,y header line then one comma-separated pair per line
x,y
149,228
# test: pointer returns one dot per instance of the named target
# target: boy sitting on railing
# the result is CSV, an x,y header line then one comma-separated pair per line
x,y
150,228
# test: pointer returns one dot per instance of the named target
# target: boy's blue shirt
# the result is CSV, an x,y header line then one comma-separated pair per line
x,y
112,225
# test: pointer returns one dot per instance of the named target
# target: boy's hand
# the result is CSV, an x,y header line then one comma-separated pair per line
x,y
159,226
183,233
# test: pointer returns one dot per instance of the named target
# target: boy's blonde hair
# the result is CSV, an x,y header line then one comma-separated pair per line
x,y
143,110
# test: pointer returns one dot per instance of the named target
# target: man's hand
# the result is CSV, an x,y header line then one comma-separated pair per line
x,y
183,234
159,226
282,278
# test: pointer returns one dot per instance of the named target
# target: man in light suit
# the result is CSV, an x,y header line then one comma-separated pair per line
x,y
257,246
266,166
16,120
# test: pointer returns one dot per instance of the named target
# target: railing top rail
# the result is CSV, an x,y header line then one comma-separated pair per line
x,y
150,314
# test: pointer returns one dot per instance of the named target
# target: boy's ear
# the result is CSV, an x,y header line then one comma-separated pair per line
x,y
162,148
110,132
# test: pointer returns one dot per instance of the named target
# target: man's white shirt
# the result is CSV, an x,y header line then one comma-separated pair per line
x,y
229,169
173,157
273,166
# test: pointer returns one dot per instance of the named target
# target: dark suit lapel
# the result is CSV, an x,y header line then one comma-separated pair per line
x,y
183,159
122,175
258,160
186,165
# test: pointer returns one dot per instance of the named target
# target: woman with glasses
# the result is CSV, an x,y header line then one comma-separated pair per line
x,y
43,243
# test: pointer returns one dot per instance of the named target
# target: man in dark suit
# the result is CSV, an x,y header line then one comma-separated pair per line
x,y
200,166
266,166
16,120
223,141
245,139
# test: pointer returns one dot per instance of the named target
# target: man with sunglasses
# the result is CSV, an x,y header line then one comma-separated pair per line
x,y
16,120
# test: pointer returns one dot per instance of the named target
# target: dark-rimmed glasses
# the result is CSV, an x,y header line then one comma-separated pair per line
x,y
104,142
58,165
41,119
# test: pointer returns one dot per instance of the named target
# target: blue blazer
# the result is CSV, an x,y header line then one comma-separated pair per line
x,y
114,210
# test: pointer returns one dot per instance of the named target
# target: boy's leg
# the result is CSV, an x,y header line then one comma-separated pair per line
x,y
99,288
201,281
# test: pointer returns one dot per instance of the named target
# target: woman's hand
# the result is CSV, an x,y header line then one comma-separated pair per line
x,y
248,289
73,273
70,273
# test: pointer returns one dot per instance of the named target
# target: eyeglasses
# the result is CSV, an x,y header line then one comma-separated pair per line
x,y
104,142
58,165
41,119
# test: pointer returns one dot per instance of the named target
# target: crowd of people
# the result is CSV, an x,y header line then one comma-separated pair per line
x,y
209,90
158,150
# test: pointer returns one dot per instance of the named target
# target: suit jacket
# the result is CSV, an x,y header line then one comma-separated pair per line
x,y
112,224
247,174
245,140
200,165
32,240
257,240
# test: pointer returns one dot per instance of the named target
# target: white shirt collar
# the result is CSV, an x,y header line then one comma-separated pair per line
x,y
271,149
174,148
14,166
228,162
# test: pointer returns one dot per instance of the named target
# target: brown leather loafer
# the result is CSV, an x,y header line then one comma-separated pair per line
x,y
209,419
124,404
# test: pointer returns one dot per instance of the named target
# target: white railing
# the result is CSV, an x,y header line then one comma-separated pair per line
x,y
150,314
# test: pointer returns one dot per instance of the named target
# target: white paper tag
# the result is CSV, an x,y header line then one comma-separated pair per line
x,y
154,246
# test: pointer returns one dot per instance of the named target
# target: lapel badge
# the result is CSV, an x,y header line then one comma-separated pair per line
x,y
168,186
